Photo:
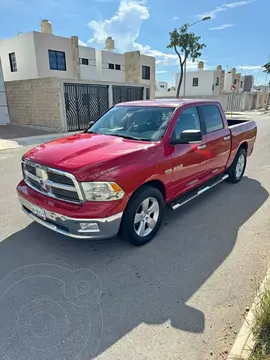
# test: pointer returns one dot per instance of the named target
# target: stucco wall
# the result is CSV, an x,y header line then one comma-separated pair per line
x,y
206,82
35,102
230,101
4,116
24,48
45,42
90,71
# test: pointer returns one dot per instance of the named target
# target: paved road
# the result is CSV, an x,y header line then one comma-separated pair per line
x,y
180,297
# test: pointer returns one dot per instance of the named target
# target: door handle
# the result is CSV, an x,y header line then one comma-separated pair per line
x,y
227,137
200,147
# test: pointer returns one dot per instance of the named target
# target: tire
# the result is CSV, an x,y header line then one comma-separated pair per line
x,y
234,172
149,196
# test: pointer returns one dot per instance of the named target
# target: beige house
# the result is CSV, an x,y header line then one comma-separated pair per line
x,y
53,81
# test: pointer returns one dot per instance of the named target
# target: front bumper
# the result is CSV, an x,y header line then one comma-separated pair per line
x,y
107,227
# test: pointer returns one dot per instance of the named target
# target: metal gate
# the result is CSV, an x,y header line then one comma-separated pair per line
x,y
84,103
234,101
126,93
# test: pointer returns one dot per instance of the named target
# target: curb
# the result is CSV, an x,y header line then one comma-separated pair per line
x,y
8,144
244,343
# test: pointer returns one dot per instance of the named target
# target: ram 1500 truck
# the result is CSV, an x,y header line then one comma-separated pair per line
x,y
117,176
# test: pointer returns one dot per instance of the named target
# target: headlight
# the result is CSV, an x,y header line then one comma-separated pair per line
x,y
102,191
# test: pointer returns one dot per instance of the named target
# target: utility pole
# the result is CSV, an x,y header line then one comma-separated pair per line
x,y
185,66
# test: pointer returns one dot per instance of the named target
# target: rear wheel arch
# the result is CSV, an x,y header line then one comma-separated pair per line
x,y
244,146
232,171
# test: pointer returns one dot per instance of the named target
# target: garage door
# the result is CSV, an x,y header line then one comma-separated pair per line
x,y
127,93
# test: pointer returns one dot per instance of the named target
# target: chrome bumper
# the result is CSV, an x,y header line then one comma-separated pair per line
x,y
107,227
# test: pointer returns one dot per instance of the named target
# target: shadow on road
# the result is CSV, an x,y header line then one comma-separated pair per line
x,y
151,284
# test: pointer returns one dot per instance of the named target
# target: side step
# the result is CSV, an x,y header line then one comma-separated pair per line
x,y
185,199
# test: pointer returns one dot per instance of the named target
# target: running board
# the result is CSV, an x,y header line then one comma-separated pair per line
x,y
198,193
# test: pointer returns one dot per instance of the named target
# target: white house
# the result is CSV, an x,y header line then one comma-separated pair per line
x,y
161,86
233,78
4,117
202,82
52,81
42,54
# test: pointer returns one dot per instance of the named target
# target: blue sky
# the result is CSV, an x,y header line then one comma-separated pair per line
x,y
236,36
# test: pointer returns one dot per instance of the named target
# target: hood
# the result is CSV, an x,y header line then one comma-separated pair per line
x,y
88,156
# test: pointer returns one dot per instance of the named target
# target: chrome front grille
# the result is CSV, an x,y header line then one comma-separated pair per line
x,y
51,182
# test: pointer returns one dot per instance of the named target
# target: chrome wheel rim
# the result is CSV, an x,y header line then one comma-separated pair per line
x,y
146,217
240,166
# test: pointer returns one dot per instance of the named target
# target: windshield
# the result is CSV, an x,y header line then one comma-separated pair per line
x,y
134,122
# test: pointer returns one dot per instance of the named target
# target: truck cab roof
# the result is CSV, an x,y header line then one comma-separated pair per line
x,y
168,102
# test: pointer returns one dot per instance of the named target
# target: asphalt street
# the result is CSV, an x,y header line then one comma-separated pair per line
x,y
182,296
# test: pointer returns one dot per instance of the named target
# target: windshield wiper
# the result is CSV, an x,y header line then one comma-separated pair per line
x,y
127,137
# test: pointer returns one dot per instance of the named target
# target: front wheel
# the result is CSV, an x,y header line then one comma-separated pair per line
x,y
143,216
238,167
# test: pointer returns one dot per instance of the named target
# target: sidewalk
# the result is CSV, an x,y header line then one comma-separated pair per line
x,y
13,136
246,113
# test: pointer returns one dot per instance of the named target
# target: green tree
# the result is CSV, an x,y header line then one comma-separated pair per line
x,y
267,67
186,43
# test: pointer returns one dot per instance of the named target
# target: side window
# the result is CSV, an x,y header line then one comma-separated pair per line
x,y
212,118
188,120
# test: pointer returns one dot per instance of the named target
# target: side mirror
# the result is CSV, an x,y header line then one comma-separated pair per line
x,y
188,136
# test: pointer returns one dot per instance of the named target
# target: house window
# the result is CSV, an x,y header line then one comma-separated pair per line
x,y
195,81
57,60
84,61
241,84
12,62
146,72
147,95
234,81
217,81
117,67
111,66
162,86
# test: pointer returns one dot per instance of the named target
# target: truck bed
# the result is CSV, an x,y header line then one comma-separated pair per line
x,y
233,122
242,131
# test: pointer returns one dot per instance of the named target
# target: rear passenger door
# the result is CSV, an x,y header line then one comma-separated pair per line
x,y
189,161
218,138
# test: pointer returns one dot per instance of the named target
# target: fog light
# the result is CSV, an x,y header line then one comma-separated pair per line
x,y
89,227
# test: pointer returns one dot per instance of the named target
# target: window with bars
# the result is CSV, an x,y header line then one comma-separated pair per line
x,y
195,82
57,60
12,62
117,67
111,66
146,72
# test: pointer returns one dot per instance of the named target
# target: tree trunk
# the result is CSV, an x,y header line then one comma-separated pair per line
x,y
180,81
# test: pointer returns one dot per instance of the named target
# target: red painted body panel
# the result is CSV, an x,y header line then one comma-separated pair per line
x,y
242,133
131,163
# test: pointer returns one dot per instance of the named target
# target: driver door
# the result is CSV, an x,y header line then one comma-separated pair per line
x,y
189,161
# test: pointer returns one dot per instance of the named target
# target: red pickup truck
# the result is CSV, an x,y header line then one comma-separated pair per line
x,y
117,176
